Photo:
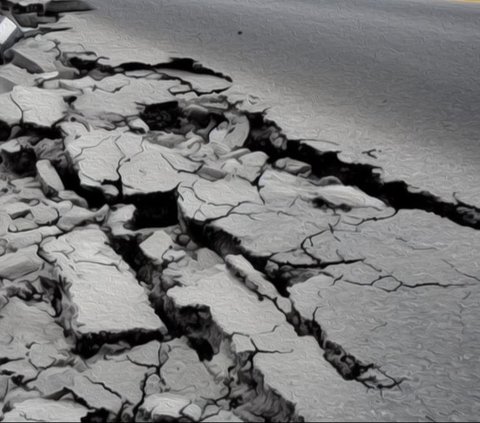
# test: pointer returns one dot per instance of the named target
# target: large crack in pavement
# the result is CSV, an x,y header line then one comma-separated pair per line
x,y
167,253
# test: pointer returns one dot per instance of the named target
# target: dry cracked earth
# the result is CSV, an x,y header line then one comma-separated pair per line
x,y
167,254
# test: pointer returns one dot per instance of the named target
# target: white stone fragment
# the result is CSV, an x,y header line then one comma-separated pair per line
x,y
138,125
211,173
20,263
158,407
10,33
20,240
295,167
155,247
73,197
77,84
17,209
118,218
76,216
174,255
230,135
49,178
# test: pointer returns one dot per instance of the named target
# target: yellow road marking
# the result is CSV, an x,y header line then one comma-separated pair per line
x,y
468,1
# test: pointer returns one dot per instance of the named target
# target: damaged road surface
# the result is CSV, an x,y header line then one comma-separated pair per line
x,y
167,253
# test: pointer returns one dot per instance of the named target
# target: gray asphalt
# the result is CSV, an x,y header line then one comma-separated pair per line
x,y
398,76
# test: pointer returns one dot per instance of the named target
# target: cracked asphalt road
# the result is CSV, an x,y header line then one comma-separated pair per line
x,y
167,252
397,77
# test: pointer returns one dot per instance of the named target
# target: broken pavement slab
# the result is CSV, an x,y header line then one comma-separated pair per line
x,y
38,409
87,269
251,216
38,107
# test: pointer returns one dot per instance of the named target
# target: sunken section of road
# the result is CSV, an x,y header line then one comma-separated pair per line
x,y
166,253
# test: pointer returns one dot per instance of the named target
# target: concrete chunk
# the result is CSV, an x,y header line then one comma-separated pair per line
x,y
39,409
102,300
49,178
155,246
36,55
20,263
42,108
10,33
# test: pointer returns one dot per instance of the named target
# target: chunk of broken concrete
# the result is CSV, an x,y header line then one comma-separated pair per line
x,y
138,125
166,406
41,108
78,215
49,178
155,247
10,33
11,75
20,263
103,302
36,55
295,167
230,135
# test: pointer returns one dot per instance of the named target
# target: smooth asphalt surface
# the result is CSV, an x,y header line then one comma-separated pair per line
x,y
398,76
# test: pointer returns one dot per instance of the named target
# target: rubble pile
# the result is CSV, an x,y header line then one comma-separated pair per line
x,y
166,255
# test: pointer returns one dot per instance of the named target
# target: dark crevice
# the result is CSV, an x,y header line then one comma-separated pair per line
x,y
5,130
94,197
98,416
25,130
266,136
190,65
184,64
88,346
154,210
195,323
162,116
